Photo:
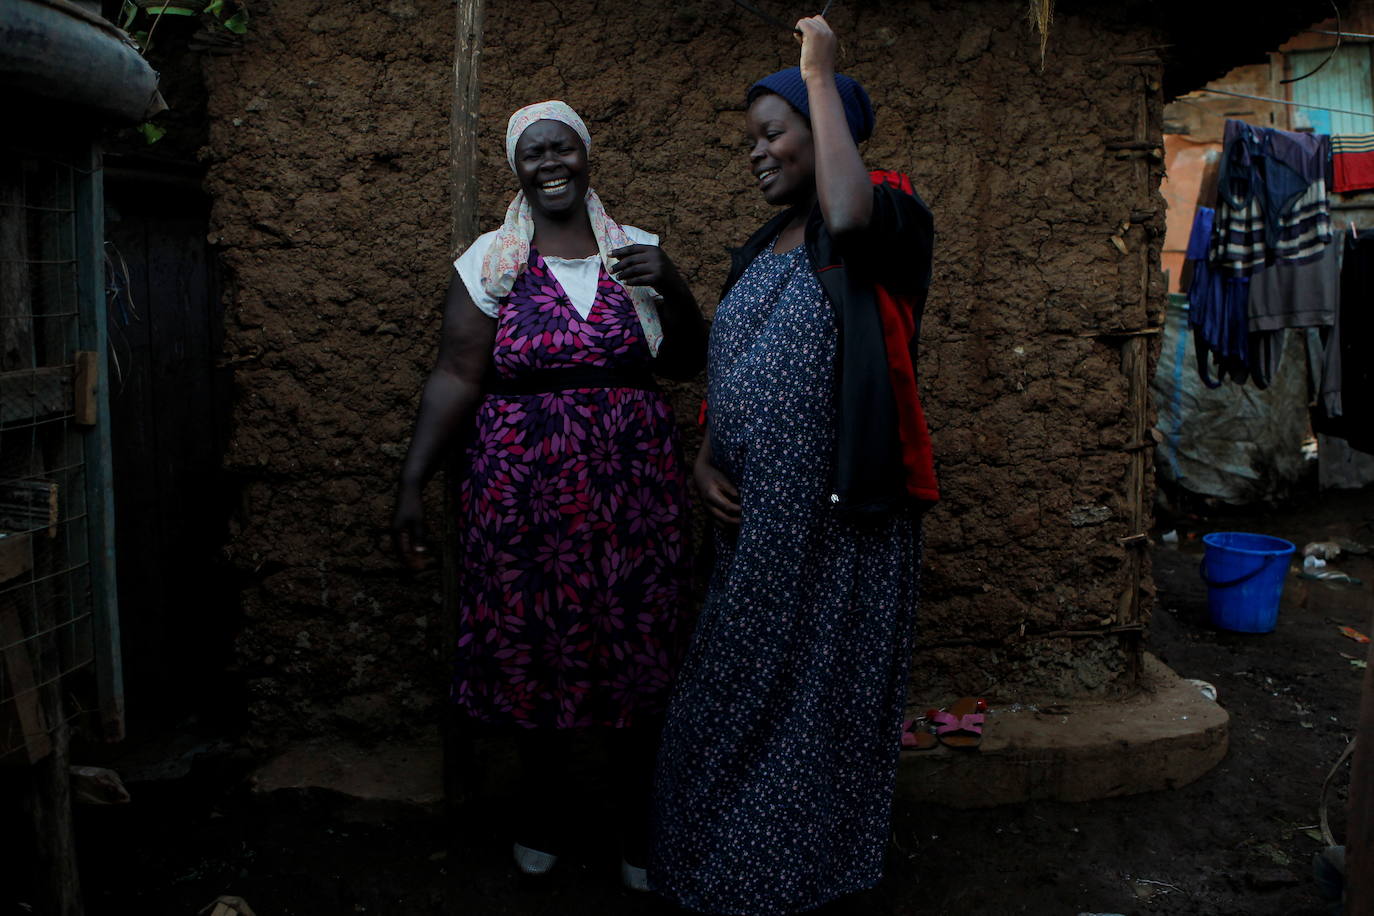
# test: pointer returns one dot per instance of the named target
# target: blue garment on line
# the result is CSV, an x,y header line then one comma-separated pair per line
x,y
1217,309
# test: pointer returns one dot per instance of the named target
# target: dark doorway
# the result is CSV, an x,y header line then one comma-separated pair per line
x,y
169,403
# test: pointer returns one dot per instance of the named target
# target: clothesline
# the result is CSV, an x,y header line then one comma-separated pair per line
x,y
1341,34
1265,98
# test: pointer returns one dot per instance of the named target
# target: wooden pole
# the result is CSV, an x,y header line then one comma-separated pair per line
x,y
1135,363
1359,842
50,816
463,123
93,441
458,754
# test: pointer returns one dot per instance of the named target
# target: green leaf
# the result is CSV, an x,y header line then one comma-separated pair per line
x,y
215,8
127,13
172,11
151,132
237,23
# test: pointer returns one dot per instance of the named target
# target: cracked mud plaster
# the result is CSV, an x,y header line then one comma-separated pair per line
x,y
327,159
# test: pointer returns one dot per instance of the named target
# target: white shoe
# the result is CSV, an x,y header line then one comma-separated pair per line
x,y
532,861
633,877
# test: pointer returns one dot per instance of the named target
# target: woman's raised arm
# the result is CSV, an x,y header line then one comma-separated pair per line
x,y
842,184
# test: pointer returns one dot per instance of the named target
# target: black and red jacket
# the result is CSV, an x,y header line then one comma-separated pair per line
x,y
877,282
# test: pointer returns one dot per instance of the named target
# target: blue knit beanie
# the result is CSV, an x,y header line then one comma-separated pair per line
x,y
858,110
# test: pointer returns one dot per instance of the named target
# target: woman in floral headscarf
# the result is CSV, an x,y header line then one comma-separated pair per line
x,y
573,499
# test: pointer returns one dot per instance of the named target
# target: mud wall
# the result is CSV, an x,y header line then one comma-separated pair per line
x,y
327,156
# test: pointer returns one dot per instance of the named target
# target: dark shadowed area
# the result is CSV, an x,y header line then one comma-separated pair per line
x,y
1237,841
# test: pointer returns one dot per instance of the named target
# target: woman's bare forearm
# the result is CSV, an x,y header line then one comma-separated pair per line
x,y
842,183
447,403
454,388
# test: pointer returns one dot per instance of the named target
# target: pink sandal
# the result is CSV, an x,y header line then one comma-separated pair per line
x,y
916,735
962,725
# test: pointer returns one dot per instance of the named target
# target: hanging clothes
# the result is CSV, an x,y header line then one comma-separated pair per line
x,y
1273,215
1305,295
1287,295
1272,203
1348,345
1352,162
1216,309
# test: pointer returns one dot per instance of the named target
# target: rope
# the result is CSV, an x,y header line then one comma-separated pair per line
x,y
1265,98
774,20
765,16
1327,836
1326,60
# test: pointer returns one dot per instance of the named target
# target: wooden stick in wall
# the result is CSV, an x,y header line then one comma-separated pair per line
x,y
86,382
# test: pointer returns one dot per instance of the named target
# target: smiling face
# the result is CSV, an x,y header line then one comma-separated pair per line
x,y
551,163
782,156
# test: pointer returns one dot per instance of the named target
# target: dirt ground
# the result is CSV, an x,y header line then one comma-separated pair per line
x,y
1237,841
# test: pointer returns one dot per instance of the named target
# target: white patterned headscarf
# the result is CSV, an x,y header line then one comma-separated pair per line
x,y
510,252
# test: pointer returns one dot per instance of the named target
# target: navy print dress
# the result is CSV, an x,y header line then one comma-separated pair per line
x,y
780,748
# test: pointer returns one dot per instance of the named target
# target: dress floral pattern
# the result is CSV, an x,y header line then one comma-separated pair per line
x,y
573,526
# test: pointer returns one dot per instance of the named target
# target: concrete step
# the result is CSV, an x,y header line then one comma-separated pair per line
x,y
1165,735
374,783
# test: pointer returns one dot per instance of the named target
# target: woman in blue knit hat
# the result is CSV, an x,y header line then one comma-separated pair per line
x,y
779,755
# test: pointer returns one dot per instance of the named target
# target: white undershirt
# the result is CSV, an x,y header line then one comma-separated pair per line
x,y
577,276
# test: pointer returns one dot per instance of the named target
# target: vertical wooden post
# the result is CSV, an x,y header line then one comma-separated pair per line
x,y
49,801
462,231
1135,363
95,444
463,123
1359,841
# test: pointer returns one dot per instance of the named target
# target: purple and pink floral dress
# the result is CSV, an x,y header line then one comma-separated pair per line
x,y
574,582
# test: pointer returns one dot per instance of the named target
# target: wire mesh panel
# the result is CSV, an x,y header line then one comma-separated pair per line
x,y
46,629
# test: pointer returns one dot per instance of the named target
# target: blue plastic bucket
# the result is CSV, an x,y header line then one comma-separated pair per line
x,y
1244,575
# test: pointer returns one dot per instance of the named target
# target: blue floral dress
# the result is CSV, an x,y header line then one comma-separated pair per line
x,y
780,749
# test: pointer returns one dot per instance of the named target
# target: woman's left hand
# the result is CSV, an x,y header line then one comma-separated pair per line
x,y
644,265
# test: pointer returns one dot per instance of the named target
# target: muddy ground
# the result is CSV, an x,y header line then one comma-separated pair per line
x,y
1237,841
